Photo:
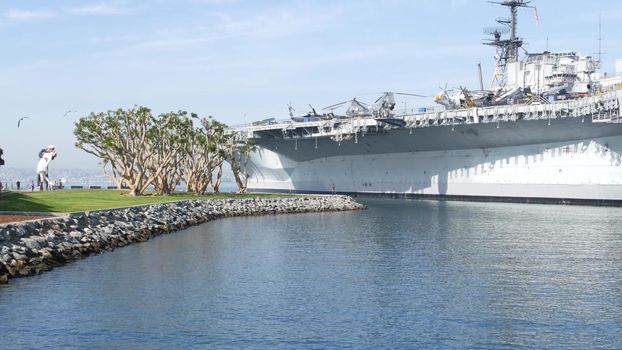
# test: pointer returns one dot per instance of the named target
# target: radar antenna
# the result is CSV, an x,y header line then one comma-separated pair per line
x,y
600,52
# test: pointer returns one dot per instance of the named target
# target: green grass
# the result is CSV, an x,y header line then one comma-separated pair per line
x,y
67,201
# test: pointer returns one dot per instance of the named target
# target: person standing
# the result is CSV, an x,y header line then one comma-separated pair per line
x,y
18,184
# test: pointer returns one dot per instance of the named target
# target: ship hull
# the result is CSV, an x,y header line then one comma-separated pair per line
x,y
559,160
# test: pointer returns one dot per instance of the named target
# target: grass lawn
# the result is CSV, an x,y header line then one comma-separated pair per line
x,y
66,201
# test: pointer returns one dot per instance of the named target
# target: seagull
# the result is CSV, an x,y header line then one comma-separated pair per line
x,y
69,111
19,122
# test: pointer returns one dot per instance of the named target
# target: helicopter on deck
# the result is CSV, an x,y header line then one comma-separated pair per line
x,y
382,108
311,116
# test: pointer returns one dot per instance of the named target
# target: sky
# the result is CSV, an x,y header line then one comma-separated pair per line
x,y
245,60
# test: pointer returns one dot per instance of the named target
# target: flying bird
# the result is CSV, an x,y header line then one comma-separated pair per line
x,y
19,122
69,111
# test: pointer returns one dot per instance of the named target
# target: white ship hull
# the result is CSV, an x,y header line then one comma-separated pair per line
x,y
572,159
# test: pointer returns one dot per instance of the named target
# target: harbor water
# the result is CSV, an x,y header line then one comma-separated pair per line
x,y
400,275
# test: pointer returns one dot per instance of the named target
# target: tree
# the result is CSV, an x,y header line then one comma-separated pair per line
x,y
119,139
143,150
238,152
203,157
140,149
169,142
192,165
218,154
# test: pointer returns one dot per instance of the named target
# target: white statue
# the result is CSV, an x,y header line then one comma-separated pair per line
x,y
45,157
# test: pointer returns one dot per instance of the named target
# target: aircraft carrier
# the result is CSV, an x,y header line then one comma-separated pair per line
x,y
549,130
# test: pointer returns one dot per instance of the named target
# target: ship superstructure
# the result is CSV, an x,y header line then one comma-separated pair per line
x,y
548,129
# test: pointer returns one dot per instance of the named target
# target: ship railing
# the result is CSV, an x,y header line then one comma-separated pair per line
x,y
283,125
608,110
603,107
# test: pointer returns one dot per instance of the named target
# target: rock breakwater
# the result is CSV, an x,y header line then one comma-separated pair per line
x,y
28,248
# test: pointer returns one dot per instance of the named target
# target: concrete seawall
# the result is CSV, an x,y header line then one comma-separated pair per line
x,y
28,248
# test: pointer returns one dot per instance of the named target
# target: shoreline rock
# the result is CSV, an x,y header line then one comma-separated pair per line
x,y
31,247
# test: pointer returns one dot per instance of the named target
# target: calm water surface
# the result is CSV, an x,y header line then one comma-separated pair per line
x,y
403,274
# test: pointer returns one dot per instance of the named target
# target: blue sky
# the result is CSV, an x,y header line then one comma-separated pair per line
x,y
245,60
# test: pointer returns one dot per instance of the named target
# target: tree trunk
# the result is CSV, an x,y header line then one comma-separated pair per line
x,y
239,182
216,183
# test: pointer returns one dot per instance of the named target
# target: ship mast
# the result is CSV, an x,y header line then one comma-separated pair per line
x,y
515,43
507,49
